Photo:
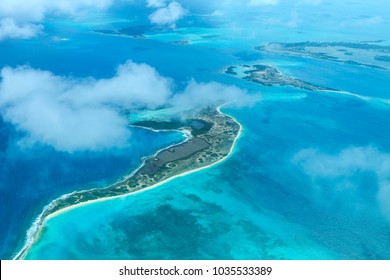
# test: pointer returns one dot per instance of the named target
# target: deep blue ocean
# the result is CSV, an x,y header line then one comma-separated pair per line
x,y
308,179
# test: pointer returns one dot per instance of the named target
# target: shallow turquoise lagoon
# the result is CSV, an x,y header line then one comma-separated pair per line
x,y
258,204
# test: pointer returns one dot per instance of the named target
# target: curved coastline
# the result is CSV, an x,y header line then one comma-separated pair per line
x,y
35,230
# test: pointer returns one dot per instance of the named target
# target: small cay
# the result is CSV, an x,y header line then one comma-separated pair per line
x,y
212,137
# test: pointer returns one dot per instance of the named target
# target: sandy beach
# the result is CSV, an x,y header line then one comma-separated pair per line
x,y
33,233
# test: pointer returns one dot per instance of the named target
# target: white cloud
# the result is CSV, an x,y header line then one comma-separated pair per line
x,y
73,114
343,171
262,2
198,95
156,3
168,15
10,29
20,19
135,85
36,10
78,114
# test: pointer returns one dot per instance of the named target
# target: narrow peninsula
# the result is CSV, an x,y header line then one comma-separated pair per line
x,y
270,76
211,138
372,54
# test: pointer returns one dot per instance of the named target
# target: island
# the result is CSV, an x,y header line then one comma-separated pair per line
x,y
131,31
211,136
373,54
270,76
138,32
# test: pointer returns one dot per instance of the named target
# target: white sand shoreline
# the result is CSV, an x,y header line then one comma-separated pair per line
x,y
39,223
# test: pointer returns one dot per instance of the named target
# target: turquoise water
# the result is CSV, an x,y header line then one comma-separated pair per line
x,y
257,198
32,177
308,179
